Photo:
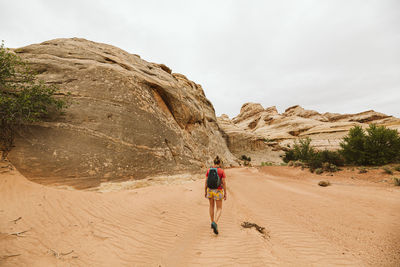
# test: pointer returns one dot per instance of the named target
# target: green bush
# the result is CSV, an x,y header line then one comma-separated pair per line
x,y
302,150
397,168
289,156
315,161
396,181
353,148
23,98
333,157
382,145
377,145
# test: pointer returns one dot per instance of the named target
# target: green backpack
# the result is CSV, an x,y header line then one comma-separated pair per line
x,y
213,180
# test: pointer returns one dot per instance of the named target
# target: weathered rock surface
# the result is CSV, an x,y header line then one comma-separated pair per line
x,y
264,133
129,118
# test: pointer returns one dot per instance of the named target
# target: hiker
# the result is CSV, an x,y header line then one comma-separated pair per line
x,y
215,191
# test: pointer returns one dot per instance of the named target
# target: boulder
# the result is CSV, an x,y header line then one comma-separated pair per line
x,y
128,118
248,110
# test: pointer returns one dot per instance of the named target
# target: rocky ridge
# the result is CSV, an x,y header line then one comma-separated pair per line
x,y
129,118
263,133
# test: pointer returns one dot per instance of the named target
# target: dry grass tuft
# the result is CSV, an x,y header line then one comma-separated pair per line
x,y
387,170
362,170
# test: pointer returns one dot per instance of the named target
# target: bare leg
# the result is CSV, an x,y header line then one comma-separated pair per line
x,y
219,210
211,209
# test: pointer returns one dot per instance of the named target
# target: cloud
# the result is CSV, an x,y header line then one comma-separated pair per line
x,y
337,56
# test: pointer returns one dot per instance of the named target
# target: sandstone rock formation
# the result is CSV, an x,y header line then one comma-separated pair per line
x,y
263,134
129,118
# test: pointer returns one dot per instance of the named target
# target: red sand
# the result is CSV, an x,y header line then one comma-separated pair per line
x,y
354,222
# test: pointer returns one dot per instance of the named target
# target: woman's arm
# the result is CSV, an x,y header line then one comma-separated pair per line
x,y
224,187
205,188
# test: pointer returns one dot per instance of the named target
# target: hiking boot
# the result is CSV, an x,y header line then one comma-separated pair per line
x,y
214,226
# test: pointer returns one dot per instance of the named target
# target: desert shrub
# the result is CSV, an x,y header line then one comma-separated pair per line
x,y
377,145
387,170
302,150
397,168
245,158
318,158
324,183
298,164
329,167
315,161
266,164
23,98
334,168
362,170
325,166
353,148
382,145
319,171
396,181
290,163
332,157
289,156
283,164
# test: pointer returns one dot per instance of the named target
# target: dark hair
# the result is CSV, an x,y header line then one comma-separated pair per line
x,y
217,160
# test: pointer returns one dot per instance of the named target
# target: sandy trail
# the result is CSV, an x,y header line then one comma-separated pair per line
x,y
167,225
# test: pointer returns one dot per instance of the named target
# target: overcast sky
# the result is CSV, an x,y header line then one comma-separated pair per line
x,y
327,55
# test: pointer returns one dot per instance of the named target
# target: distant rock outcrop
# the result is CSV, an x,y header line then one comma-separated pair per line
x,y
264,133
129,118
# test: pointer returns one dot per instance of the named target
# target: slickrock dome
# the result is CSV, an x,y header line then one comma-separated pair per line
x,y
129,118
264,133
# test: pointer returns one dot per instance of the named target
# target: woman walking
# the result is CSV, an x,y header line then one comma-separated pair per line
x,y
215,191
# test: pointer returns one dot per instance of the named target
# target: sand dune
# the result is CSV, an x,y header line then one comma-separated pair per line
x,y
353,224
